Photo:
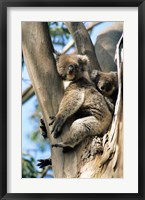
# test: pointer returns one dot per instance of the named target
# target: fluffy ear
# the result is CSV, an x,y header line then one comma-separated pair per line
x,y
56,55
95,73
115,77
83,59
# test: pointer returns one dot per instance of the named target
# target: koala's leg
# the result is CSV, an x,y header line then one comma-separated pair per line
x,y
80,129
110,104
70,103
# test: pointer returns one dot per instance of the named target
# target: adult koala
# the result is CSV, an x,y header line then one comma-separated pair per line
x,y
81,98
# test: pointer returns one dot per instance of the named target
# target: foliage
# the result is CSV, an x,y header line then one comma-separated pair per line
x,y
59,33
28,167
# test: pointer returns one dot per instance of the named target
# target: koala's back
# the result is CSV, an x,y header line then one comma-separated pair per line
x,y
94,103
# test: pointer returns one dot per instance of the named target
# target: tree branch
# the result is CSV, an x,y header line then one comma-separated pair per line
x,y
27,94
71,43
83,42
44,172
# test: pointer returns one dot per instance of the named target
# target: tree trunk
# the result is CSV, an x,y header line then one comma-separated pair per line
x,y
48,87
83,42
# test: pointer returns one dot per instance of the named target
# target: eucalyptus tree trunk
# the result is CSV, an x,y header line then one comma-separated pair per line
x,y
83,42
48,87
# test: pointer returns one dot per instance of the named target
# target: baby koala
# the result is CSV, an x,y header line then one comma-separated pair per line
x,y
81,99
107,84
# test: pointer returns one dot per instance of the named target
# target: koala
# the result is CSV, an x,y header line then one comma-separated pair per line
x,y
81,99
106,83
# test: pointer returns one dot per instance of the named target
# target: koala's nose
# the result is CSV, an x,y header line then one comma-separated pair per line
x,y
70,68
102,87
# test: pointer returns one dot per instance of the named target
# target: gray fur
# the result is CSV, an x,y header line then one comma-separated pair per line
x,y
82,99
107,84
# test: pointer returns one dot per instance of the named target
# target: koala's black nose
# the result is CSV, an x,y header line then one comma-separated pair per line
x,y
102,87
70,68
107,87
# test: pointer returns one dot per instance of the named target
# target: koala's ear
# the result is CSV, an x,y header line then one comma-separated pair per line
x,y
56,55
114,75
95,73
83,59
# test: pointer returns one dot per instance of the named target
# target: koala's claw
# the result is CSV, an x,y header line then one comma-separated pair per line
x,y
57,127
43,128
52,119
56,134
43,163
56,131
44,134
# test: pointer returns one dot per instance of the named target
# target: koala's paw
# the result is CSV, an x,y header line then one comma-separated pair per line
x,y
52,119
57,126
43,128
43,163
